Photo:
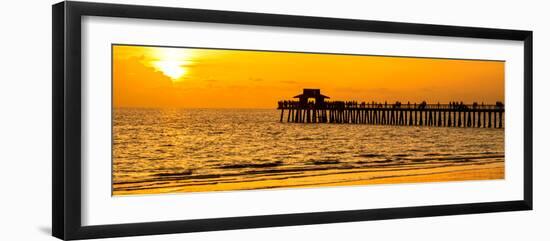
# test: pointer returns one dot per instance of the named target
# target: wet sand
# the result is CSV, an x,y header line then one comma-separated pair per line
x,y
365,176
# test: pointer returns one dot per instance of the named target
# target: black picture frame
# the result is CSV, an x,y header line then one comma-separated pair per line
x,y
66,168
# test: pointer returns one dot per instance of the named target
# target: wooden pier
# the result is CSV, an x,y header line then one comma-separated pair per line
x,y
454,114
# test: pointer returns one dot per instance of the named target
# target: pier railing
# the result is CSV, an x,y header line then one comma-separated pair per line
x,y
454,114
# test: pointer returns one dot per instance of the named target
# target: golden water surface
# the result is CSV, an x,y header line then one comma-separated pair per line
x,y
194,150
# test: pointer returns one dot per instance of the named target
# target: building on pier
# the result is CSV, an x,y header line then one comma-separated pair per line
x,y
312,94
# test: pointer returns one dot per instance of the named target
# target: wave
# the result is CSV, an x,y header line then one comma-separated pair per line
x,y
323,162
252,165
287,175
369,155
184,173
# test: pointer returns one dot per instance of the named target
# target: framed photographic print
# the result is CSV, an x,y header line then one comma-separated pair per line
x,y
169,120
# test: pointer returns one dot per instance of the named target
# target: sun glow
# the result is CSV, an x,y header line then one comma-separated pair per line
x,y
172,69
172,62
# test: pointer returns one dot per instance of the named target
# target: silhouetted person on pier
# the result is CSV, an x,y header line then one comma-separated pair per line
x,y
397,104
422,105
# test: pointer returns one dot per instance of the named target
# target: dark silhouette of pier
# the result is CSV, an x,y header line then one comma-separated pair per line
x,y
453,114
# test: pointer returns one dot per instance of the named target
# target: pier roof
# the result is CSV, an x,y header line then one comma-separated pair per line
x,y
312,93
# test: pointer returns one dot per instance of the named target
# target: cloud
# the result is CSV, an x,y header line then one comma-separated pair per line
x,y
255,79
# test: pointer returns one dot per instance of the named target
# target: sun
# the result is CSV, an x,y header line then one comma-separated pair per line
x,y
172,62
172,69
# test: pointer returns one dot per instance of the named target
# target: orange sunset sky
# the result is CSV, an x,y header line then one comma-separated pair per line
x,y
211,78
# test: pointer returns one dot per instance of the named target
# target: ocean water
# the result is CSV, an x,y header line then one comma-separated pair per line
x,y
165,150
